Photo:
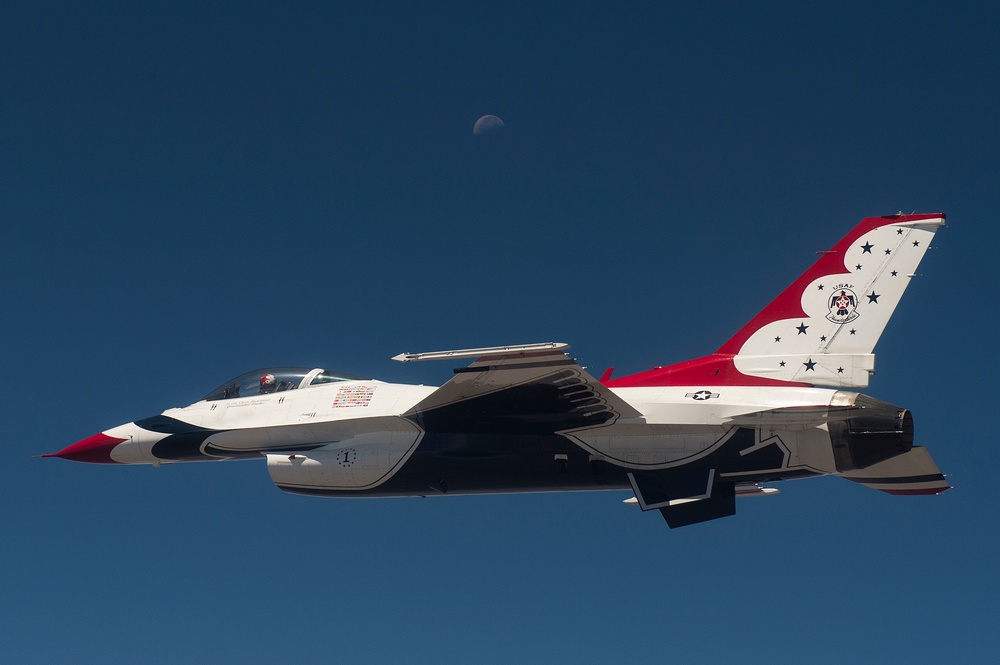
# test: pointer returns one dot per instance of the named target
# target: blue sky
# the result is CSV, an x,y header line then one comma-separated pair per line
x,y
189,192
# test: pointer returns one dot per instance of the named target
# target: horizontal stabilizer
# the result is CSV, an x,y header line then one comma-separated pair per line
x,y
911,473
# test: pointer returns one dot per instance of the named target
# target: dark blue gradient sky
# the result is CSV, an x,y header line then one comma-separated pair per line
x,y
192,190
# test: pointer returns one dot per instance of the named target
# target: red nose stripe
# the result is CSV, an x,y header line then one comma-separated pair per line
x,y
96,449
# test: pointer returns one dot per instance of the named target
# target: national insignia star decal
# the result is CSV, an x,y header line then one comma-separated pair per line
x,y
873,297
810,365
802,327
866,248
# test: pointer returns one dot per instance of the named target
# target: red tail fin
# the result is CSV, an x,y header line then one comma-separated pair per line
x,y
823,328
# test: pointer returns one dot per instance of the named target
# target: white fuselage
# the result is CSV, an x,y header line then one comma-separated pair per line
x,y
678,425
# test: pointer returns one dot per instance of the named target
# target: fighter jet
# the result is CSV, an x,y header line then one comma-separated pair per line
x,y
778,401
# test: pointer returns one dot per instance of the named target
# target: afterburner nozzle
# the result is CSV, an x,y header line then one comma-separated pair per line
x,y
875,431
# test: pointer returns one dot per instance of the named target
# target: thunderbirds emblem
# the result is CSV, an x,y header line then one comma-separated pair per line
x,y
843,305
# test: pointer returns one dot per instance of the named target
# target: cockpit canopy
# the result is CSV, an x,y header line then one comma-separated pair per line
x,y
275,380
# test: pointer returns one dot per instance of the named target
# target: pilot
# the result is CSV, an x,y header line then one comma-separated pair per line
x,y
267,384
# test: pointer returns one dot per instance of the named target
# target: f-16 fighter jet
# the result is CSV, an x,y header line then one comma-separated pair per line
x,y
777,401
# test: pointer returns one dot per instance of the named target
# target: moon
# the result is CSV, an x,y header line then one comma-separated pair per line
x,y
487,124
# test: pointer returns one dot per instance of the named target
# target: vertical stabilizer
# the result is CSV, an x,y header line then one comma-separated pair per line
x,y
822,329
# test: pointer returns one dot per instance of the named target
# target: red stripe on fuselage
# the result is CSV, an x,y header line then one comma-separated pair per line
x,y
714,370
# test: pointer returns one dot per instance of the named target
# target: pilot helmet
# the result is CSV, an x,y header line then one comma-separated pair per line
x,y
267,381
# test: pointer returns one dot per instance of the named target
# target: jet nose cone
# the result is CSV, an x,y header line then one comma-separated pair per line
x,y
96,449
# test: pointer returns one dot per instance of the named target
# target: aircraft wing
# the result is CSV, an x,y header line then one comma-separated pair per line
x,y
913,472
522,390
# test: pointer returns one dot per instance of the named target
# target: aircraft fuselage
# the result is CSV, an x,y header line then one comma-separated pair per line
x,y
316,442
685,438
